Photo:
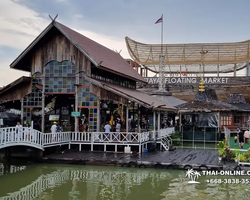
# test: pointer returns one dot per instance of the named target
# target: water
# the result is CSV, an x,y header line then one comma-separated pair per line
x,y
74,182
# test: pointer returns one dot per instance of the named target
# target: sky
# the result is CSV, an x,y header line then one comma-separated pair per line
x,y
110,21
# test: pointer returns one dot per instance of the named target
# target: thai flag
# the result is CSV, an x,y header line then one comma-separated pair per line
x,y
159,20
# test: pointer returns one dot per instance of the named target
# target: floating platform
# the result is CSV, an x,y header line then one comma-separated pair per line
x,y
177,159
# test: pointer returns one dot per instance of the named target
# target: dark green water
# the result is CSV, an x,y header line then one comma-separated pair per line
x,y
74,182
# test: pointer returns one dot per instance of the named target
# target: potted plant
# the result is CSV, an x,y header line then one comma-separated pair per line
x,y
236,153
222,154
221,151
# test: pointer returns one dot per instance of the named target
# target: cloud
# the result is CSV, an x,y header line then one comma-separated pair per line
x,y
17,31
19,25
109,42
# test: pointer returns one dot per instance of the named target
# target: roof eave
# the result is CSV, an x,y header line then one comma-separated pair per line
x,y
35,41
14,83
124,75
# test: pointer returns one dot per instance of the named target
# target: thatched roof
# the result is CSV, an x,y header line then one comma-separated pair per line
x,y
238,100
206,102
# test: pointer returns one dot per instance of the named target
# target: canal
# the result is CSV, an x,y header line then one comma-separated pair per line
x,y
75,182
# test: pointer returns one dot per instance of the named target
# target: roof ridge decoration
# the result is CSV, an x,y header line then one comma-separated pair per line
x,y
201,95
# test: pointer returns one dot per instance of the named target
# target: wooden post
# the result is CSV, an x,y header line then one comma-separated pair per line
x,y
180,122
22,111
159,120
98,115
139,119
43,102
76,102
154,121
127,109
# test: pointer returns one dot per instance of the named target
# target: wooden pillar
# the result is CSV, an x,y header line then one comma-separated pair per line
x,y
138,119
22,111
98,115
43,102
127,109
159,120
154,120
180,122
76,102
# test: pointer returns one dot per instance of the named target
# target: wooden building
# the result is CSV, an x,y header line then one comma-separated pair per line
x,y
240,117
71,73
205,112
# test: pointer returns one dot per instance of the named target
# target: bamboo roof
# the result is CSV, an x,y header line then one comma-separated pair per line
x,y
211,55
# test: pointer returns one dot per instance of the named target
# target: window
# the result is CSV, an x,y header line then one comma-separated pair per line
x,y
226,120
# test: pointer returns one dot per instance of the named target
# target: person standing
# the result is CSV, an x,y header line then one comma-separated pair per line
x,y
27,132
246,136
118,129
53,130
241,138
19,131
107,128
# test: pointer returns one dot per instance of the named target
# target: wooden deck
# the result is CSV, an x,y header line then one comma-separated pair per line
x,y
177,159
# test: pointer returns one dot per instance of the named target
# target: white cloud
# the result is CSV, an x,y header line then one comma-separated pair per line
x,y
21,25
109,42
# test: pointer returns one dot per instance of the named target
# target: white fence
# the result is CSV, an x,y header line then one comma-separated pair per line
x,y
30,137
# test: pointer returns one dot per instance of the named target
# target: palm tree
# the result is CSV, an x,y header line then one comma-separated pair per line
x,y
190,174
196,175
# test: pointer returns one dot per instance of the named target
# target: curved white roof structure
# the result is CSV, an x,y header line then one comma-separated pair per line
x,y
216,57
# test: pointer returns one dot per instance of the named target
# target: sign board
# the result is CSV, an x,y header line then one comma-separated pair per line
x,y
189,80
54,118
75,114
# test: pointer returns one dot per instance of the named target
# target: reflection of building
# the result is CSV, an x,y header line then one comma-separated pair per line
x,y
1,169
14,168
99,183
73,75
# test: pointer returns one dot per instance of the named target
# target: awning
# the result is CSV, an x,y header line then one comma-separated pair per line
x,y
134,95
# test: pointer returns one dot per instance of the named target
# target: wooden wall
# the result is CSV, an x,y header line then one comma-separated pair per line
x,y
57,47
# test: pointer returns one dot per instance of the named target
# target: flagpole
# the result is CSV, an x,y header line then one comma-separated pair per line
x,y
162,35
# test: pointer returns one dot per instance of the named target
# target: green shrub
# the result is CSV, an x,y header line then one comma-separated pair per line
x,y
176,139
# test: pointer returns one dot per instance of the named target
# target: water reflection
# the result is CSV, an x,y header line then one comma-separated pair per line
x,y
6,169
91,182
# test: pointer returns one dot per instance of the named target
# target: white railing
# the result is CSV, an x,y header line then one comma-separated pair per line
x,y
165,132
30,137
50,139
26,136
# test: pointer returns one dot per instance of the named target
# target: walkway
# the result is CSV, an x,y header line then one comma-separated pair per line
x,y
39,140
169,159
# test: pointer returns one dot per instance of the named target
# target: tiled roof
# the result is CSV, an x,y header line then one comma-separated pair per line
x,y
106,58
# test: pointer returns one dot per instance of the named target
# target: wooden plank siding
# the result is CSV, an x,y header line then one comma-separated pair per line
x,y
57,47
